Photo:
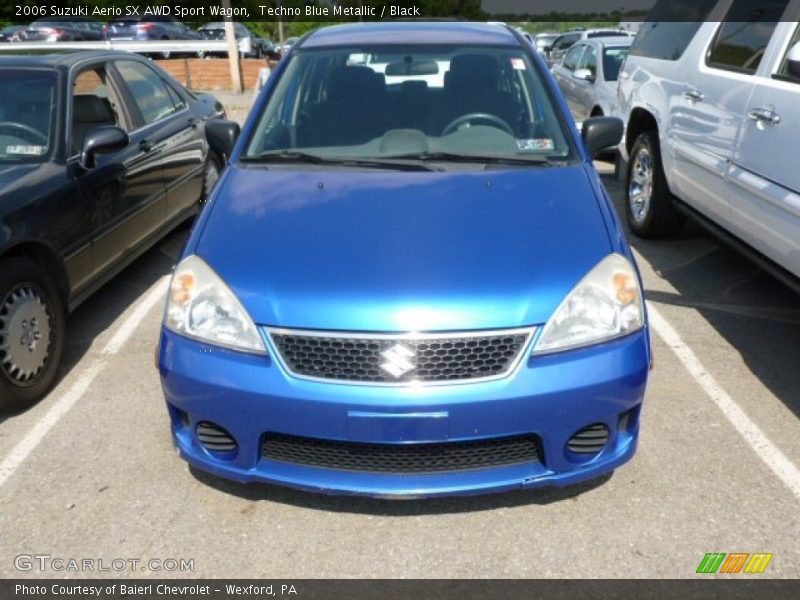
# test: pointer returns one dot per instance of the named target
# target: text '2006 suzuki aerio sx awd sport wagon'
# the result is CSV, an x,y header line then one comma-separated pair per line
x,y
409,280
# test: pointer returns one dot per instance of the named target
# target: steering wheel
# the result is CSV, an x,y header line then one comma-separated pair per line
x,y
478,116
26,128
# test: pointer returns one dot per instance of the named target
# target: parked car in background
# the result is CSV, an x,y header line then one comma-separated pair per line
x,y
588,74
149,27
713,110
259,47
282,49
542,42
101,153
10,33
432,298
565,41
526,36
62,29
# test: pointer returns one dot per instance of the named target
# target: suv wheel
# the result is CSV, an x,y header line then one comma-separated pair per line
x,y
649,207
32,333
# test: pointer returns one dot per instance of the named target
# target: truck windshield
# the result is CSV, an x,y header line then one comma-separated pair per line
x,y
396,101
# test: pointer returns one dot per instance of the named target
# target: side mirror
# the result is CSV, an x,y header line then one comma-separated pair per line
x,y
793,60
584,75
601,133
221,136
101,140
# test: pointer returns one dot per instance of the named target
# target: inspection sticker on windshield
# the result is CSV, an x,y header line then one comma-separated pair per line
x,y
518,64
28,150
536,144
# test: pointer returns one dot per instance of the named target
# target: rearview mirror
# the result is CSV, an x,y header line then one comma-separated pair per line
x,y
601,133
584,75
101,140
221,136
420,68
793,60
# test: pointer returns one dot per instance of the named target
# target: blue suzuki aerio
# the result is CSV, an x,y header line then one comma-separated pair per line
x,y
409,280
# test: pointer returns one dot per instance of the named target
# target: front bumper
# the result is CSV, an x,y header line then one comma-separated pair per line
x,y
551,397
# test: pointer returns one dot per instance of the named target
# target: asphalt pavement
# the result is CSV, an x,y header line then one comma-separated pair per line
x,y
90,472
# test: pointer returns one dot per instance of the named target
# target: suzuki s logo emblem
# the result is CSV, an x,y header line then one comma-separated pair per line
x,y
398,361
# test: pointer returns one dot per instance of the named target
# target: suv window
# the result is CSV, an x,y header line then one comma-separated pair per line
x,y
589,61
670,27
786,72
743,37
605,33
572,57
612,62
149,91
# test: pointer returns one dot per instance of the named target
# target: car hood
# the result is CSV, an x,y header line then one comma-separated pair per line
x,y
403,251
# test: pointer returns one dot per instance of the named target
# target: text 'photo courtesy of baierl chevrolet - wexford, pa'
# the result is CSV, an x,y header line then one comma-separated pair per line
x,y
388,299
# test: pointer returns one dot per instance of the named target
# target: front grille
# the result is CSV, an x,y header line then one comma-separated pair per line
x,y
215,438
400,359
589,440
401,458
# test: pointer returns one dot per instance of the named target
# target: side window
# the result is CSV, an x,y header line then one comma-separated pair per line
x,y
742,39
670,27
92,106
572,57
589,61
149,91
790,65
179,103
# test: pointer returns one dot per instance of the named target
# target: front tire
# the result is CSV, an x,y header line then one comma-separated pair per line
x,y
32,333
650,210
210,177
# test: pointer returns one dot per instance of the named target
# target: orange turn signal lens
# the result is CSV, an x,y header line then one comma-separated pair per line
x,y
182,287
626,288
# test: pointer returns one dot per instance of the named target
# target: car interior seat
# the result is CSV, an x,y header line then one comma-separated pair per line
x,y
89,111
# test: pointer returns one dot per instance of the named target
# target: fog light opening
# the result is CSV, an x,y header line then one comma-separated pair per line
x,y
589,441
627,421
215,439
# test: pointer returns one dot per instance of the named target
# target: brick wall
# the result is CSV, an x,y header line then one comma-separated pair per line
x,y
212,73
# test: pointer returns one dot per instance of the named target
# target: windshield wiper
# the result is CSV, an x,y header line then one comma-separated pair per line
x,y
476,158
292,156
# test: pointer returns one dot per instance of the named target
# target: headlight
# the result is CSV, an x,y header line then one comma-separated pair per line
x,y
202,307
606,304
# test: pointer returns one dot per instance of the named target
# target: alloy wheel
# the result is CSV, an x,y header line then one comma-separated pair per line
x,y
25,334
640,187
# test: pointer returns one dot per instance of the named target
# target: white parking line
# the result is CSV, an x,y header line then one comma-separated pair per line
x,y
131,321
776,460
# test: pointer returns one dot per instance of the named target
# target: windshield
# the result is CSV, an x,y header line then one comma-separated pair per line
x,y
27,106
612,61
394,101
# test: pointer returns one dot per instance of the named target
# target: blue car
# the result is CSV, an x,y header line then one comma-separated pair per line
x,y
409,280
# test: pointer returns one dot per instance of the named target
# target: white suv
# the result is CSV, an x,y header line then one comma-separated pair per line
x,y
713,109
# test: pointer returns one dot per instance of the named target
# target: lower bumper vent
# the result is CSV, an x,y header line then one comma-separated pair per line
x,y
589,440
214,438
415,459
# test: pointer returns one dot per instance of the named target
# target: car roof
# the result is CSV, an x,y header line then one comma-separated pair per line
x,y
414,32
58,58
